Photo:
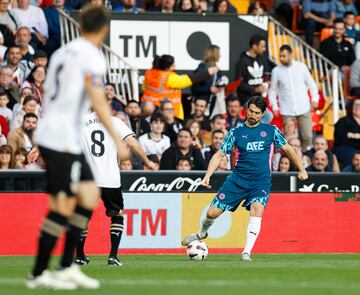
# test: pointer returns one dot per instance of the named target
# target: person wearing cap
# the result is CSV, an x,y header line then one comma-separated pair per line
x,y
161,82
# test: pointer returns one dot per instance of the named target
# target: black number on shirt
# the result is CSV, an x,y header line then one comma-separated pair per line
x,y
57,82
97,138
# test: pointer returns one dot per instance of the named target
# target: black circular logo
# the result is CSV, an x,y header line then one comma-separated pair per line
x,y
196,44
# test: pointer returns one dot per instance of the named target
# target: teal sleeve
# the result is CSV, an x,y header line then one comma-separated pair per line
x,y
279,138
228,143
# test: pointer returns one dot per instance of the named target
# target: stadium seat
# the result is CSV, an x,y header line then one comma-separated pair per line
x,y
325,33
296,19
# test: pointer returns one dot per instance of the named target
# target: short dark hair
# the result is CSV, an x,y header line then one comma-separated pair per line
x,y
348,13
204,98
163,102
217,117
232,98
286,47
217,131
110,84
256,39
30,115
3,93
357,152
183,159
163,62
28,98
157,117
259,102
338,21
93,18
186,130
134,101
40,54
154,158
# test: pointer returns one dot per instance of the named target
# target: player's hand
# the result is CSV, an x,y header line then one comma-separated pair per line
x,y
152,165
205,182
302,175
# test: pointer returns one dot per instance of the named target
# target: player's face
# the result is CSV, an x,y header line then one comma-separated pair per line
x,y
183,165
254,115
234,108
356,162
184,140
320,144
284,165
219,124
217,140
200,107
285,57
157,126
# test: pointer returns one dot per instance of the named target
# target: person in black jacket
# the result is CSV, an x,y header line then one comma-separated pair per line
x,y
138,124
182,148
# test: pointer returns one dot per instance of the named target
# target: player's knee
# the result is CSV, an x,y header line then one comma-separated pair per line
x,y
213,213
62,204
257,210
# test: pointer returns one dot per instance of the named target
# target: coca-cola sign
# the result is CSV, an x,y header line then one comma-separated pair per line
x,y
143,184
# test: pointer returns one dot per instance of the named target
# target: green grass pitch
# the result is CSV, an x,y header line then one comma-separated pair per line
x,y
218,274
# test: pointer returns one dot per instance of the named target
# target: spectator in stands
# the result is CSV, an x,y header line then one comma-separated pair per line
x,y
257,8
20,68
123,117
12,91
52,17
172,124
347,135
162,82
223,164
40,58
355,165
153,5
195,129
182,148
290,128
186,6
344,6
200,106
285,164
35,82
168,6
155,160
29,106
320,143
4,110
138,125
216,141
221,7
317,14
147,110
21,158
183,164
284,12
110,93
253,69
319,162
351,28
128,6
9,21
25,91
2,136
292,79
33,18
6,157
22,39
126,165
155,142
336,48
217,122
22,137
355,79
208,88
233,112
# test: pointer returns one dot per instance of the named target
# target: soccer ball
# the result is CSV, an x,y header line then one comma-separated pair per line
x,y
197,250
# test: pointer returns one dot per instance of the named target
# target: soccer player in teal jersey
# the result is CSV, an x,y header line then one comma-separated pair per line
x,y
250,181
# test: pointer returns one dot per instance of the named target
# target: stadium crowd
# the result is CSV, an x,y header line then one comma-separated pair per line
x,y
177,131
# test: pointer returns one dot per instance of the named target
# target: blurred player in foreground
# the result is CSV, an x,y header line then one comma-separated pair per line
x,y
250,181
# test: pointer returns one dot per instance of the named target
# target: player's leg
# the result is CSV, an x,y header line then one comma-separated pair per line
x,y
253,229
81,258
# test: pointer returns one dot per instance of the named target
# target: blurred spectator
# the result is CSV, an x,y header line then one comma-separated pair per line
x,y
33,18
20,68
126,165
168,6
317,14
186,6
22,39
200,106
233,111
97,3
40,58
223,164
351,29
284,164
195,129
355,165
347,135
138,124
320,143
203,6
128,6
123,117
292,79
9,20
253,70
6,157
52,17
12,91
183,164
182,148
221,7
154,142
290,128
319,162
209,88
284,11
172,125
147,110
20,158
153,5
116,105
4,110
355,79
218,122
155,160
23,136
257,8
29,106
25,91
343,6
162,82
216,141
35,82
336,48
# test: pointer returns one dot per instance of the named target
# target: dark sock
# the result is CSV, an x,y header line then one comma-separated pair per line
x,y
80,245
76,224
116,229
50,231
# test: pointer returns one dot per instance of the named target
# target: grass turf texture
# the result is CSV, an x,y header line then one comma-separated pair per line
x,y
218,274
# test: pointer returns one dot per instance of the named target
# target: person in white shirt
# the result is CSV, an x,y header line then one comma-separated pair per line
x,y
4,110
154,142
292,80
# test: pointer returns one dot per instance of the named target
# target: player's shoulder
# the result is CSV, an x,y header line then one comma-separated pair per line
x,y
86,50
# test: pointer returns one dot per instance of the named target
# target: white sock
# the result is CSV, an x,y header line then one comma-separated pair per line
x,y
252,232
205,224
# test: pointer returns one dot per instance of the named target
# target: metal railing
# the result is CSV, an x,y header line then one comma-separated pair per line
x,y
119,72
326,74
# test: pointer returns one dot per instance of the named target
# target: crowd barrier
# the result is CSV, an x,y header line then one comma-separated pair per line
x,y
316,216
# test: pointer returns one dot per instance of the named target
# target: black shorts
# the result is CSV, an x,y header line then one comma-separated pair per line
x,y
113,200
63,170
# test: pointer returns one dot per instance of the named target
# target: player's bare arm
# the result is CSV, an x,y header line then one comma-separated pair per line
x,y
290,152
213,165
136,148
